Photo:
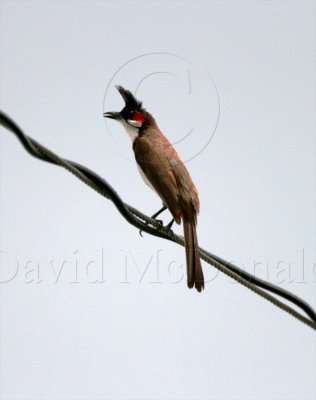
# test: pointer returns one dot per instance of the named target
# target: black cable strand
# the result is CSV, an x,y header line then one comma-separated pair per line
x,y
265,285
235,275
102,187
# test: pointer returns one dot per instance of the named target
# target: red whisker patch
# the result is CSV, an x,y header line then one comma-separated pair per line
x,y
139,117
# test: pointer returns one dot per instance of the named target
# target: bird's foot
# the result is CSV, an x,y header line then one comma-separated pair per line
x,y
159,221
154,217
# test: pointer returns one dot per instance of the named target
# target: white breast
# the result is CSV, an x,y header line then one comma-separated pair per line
x,y
145,178
133,133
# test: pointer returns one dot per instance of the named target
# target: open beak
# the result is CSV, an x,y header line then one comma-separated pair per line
x,y
112,115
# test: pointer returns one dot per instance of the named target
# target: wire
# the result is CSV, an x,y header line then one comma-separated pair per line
x,y
153,227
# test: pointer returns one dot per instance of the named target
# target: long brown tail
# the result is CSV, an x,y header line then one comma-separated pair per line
x,y
194,269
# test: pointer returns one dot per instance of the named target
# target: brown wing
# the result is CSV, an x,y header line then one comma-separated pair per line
x,y
166,172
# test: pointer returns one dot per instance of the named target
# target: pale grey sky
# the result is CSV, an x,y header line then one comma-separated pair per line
x,y
76,322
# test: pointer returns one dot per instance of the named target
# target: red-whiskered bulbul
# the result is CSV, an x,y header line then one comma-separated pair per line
x,y
165,173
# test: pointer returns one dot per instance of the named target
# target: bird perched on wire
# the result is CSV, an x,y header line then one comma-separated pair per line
x,y
163,171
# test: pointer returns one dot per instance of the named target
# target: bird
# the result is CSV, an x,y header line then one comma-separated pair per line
x,y
166,174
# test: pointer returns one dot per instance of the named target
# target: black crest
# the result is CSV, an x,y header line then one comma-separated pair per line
x,y
130,100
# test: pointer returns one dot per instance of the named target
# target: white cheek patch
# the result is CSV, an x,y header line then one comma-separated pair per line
x,y
131,130
136,124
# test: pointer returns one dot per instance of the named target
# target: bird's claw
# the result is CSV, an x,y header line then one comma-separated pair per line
x,y
159,221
